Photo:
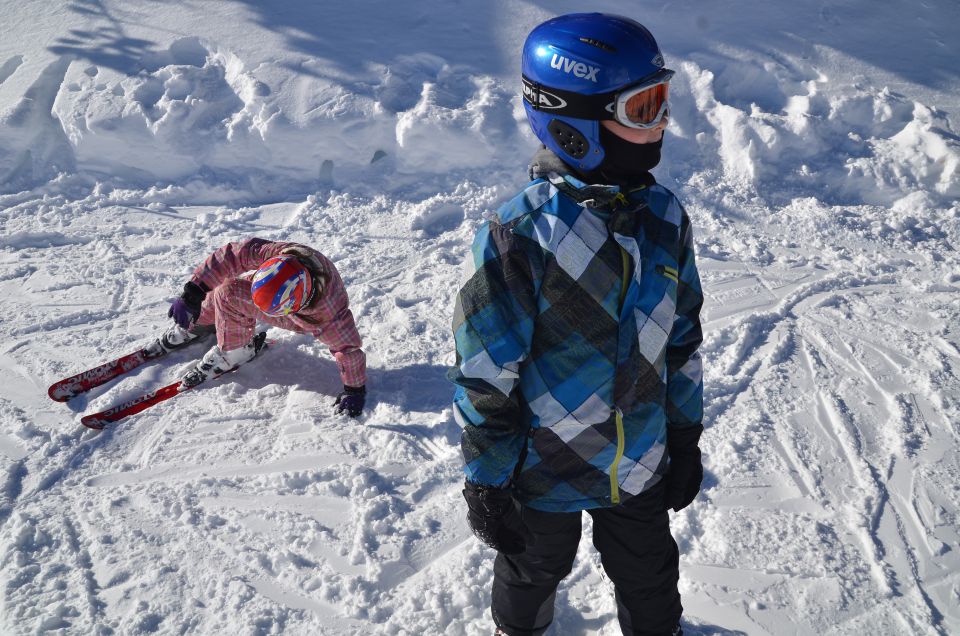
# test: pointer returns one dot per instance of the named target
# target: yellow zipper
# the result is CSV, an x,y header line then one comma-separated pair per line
x,y
614,482
625,259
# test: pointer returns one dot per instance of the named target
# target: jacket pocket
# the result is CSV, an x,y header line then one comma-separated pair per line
x,y
528,440
669,273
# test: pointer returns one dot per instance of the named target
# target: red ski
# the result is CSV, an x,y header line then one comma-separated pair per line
x,y
91,378
141,403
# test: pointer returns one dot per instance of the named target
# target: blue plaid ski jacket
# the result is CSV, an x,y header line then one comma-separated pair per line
x,y
576,337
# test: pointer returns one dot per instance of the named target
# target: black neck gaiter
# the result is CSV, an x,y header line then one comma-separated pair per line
x,y
625,163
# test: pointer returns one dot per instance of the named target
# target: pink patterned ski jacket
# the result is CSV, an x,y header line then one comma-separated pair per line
x,y
227,273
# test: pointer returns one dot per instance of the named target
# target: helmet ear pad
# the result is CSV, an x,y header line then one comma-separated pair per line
x,y
569,138
575,141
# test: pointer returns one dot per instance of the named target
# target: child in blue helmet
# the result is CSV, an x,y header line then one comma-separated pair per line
x,y
579,384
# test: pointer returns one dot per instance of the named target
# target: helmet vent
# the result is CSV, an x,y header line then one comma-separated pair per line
x,y
570,140
600,45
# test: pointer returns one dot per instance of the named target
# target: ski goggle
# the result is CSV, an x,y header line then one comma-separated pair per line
x,y
644,105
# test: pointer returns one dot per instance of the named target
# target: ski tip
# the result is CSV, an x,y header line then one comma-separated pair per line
x,y
57,394
94,422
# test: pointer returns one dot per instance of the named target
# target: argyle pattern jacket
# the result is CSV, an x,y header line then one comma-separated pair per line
x,y
577,336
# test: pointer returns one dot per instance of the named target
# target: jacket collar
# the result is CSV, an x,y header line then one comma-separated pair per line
x,y
545,162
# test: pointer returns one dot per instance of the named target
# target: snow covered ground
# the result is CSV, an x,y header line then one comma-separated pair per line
x,y
814,143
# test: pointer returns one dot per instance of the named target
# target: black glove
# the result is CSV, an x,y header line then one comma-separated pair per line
x,y
351,400
494,519
686,472
186,309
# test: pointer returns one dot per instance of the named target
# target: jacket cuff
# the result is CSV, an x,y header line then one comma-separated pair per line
x,y
199,283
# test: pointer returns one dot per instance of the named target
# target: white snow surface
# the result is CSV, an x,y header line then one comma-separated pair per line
x,y
814,144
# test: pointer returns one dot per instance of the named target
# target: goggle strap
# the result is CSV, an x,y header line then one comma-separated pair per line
x,y
567,103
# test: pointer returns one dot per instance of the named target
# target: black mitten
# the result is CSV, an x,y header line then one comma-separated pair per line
x,y
494,519
686,471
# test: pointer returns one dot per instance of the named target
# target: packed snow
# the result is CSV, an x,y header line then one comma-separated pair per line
x,y
815,145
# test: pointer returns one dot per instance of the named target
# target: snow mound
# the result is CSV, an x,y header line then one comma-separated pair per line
x,y
196,110
779,130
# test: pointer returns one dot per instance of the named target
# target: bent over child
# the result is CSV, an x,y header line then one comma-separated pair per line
x,y
281,284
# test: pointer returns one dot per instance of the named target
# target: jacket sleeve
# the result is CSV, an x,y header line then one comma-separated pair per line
x,y
493,326
342,337
233,259
684,370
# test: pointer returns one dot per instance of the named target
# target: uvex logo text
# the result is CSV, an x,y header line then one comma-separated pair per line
x,y
579,69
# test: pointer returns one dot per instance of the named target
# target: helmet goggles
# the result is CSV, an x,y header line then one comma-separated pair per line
x,y
644,105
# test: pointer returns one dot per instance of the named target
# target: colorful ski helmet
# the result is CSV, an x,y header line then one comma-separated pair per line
x,y
581,68
281,286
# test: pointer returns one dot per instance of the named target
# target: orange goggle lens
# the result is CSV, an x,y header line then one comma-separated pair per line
x,y
645,107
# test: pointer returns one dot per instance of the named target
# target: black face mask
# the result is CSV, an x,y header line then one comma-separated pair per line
x,y
625,162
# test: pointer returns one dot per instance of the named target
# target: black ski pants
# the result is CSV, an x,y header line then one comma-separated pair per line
x,y
636,549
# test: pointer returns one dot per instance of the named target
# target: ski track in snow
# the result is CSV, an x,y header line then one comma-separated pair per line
x,y
827,225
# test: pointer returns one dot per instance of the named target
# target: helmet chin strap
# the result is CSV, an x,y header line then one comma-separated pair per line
x,y
316,288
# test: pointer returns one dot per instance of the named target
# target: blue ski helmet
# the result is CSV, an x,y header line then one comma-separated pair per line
x,y
573,68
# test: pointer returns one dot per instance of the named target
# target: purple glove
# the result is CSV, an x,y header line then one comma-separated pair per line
x,y
186,309
351,400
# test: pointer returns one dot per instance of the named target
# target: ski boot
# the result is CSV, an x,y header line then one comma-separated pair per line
x,y
174,338
216,362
